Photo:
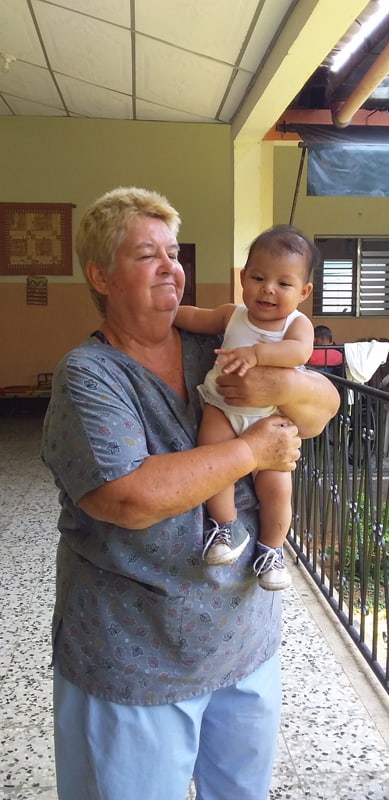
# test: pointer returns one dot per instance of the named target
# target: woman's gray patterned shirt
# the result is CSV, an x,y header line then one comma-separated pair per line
x,y
139,618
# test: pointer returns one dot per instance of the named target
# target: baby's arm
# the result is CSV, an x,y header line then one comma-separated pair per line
x,y
293,350
203,320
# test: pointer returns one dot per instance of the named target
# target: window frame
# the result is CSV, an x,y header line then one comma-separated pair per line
x,y
365,289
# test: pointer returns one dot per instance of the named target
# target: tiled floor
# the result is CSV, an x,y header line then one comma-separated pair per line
x,y
334,741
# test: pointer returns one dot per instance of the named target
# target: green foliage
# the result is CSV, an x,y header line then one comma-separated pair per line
x,y
365,545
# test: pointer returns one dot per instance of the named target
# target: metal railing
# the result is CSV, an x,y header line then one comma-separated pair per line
x,y
340,523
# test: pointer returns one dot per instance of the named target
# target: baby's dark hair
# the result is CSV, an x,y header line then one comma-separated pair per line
x,y
287,238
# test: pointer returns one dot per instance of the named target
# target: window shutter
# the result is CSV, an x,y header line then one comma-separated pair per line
x,y
374,278
354,277
334,288
337,291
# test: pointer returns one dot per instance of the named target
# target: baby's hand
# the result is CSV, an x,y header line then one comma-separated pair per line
x,y
238,360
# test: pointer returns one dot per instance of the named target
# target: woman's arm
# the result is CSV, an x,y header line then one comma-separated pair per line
x,y
167,485
306,397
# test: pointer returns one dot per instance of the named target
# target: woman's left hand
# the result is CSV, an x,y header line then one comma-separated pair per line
x,y
306,397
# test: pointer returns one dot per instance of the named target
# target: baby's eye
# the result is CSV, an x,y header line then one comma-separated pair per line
x,y
257,278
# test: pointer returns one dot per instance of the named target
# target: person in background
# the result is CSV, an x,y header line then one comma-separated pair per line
x,y
164,667
267,330
328,359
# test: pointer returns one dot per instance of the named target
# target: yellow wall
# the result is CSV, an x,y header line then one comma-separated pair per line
x,y
253,194
76,160
341,216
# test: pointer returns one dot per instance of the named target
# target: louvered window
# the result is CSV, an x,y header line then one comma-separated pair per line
x,y
374,282
354,277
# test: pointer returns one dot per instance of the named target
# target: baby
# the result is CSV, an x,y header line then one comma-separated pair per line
x,y
268,330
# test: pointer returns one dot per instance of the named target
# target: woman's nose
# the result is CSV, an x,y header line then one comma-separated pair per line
x,y
166,262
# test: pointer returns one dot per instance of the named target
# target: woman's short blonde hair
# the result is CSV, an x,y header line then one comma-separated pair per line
x,y
105,224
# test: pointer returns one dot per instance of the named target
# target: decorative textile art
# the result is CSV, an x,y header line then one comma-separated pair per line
x,y
36,290
36,238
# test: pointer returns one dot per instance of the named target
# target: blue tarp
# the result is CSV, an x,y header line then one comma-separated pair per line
x,y
348,170
352,161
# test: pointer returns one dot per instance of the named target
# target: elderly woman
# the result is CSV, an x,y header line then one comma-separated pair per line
x,y
164,667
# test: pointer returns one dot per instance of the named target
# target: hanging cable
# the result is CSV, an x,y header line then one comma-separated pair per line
x,y
298,181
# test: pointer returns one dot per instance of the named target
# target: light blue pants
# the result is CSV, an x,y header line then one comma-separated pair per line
x,y
225,739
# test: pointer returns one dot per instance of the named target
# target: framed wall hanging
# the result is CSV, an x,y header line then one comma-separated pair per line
x,y
36,238
36,290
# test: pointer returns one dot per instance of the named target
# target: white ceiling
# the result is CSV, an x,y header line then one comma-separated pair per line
x,y
177,60
170,60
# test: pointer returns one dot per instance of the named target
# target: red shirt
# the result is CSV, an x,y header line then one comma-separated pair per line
x,y
326,358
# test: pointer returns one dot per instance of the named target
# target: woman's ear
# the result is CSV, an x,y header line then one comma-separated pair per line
x,y
96,277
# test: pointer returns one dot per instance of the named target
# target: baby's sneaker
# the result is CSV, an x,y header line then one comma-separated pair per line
x,y
224,543
270,569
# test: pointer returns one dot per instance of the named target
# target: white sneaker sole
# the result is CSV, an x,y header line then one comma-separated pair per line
x,y
226,559
273,586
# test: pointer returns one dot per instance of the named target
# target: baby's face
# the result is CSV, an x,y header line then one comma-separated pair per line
x,y
274,285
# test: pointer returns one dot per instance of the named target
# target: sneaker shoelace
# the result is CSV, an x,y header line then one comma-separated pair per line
x,y
219,534
269,560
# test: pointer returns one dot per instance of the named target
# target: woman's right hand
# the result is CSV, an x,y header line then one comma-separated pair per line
x,y
274,443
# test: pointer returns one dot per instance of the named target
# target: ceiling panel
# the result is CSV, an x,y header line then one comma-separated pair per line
x,y
30,83
153,111
116,11
18,34
236,91
264,32
25,108
179,79
106,60
83,99
215,28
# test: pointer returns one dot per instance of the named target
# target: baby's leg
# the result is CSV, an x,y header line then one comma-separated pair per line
x,y
226,540
215,428
274,491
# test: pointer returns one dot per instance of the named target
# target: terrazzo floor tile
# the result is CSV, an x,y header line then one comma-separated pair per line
x,y
285,783
26,762
27,700
38,793
27,657
346,746
359,785
329,746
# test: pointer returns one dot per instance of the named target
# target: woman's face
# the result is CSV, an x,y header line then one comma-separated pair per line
x,y
147,275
